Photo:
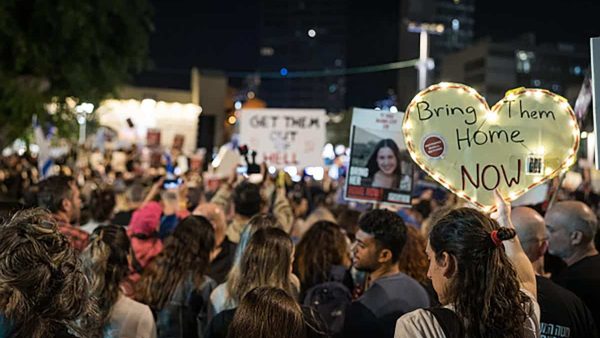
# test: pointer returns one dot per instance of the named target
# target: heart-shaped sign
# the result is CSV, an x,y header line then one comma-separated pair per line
x,y
529,136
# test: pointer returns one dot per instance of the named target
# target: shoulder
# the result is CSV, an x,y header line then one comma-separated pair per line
x,y
532,324
418,323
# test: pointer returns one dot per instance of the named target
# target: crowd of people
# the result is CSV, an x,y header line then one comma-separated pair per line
x,y
126,251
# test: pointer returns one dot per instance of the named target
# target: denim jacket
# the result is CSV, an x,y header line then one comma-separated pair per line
x,y
186,314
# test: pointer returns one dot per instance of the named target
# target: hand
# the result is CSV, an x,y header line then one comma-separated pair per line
x,y
154,190
502,213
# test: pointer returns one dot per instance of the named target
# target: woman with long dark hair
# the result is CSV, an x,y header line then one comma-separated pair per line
x,y
384,165
481,276
175,284
323,255
105,262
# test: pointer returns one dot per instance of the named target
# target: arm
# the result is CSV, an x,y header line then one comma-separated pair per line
x,y
283,210
513,248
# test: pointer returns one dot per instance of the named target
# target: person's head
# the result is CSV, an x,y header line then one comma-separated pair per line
x,y
216,216
572,226
267,261
323,246
270,305
348,220
102,204
385,158
260,221
135,194
60,195
186,252
413,260
471,271
106,264
531,230
247,200
42,285
379,240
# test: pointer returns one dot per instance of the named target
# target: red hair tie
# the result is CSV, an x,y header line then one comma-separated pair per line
x,y
497,241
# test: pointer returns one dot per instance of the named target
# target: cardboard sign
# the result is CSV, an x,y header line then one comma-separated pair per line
x,y
528,137
284,137
380,167
153,137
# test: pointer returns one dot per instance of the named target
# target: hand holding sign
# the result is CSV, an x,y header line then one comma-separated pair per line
x,y
528,137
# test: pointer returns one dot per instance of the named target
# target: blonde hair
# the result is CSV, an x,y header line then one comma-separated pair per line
x,y
266,262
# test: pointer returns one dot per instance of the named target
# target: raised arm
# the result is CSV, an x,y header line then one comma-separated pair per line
x,y
513,248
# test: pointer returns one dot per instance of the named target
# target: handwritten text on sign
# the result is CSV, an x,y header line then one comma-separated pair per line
x,y
284,137
526,138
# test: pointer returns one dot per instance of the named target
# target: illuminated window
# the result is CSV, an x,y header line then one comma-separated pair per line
x,y
524,61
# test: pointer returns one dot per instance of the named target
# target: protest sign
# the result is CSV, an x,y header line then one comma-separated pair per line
x,y
380,168
153,137
526,138
284,137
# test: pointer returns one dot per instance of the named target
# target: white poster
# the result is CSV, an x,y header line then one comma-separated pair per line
x,y
381,169
284,137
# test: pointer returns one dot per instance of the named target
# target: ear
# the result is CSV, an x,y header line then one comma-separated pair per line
x,y
447,264
385,255
543,248
576,237
66,205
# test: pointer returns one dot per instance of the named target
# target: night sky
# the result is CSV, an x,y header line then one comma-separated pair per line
x,y
223,34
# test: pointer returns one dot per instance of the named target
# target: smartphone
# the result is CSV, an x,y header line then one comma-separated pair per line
x,y
172,184
242,170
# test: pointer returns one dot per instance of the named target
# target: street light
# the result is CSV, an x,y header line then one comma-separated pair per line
x,y
424,29
82,111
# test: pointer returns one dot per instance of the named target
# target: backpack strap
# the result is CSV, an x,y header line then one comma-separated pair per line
x,y
449,322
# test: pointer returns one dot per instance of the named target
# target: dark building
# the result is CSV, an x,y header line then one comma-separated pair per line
x,y
300,36
492,68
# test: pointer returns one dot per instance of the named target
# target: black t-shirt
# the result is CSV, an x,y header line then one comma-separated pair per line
x,y
563,314
122,218
583,279
220,266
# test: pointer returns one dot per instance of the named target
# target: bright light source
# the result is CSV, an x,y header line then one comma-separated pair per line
x,y
292,171
283,71
491,117
328,151
251,95
237,105
231,119
340,149
393,109
316,172
272,170
455,24
584,135
85,107
312,33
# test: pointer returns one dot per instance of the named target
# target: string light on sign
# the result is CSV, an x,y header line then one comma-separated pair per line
x,y
472,150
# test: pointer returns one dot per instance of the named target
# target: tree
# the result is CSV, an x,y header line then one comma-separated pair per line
x,y
52,50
